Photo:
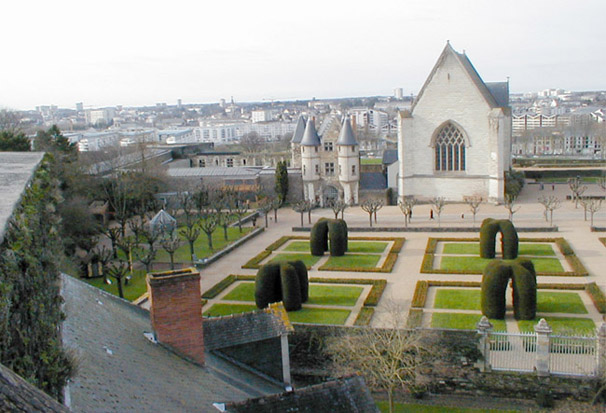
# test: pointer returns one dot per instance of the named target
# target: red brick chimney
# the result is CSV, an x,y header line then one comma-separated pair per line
x,y
176,311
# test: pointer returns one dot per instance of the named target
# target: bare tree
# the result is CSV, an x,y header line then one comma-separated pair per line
x,y
208,223
113,233
10,120
301,208
577,188
171,244
147,256
437,204
191,232
509,204
388,358
276,203
127,244
550,203
118,270
338,206
103,255
593,206
406,206
371,206
265,205
474,202
251,142
602,181
240,209
223,220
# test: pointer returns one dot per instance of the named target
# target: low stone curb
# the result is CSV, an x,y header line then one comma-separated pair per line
x,y
430,229
205,262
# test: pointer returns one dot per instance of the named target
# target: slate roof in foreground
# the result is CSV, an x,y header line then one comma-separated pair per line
x,y
345,395
17,395
119,369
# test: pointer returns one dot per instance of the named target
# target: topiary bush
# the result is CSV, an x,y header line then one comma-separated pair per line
x,y
268,287
291,290
488,232
337,230
318,238
494,284
524,290
301,270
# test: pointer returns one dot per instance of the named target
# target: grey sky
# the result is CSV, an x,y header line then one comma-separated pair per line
x,y
140,52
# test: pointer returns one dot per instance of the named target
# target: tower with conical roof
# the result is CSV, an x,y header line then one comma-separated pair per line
x,y
295,143
310,162
348,157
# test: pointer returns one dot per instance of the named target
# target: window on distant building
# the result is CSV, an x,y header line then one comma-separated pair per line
x,y
243,162
304,170
202,163
340,170
317,168
329,168
328,146
229,162
353,170
449,149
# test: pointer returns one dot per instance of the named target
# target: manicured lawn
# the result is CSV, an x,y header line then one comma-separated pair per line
x,y
308,259
201,245
462,321
423,408
368,247
474,248
564,325
305,315
227,309
318,294
348,261
137,286
457,299
371,161
560,302
477,264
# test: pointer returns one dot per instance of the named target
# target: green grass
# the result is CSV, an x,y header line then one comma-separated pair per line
x,y
227,309
560,302
462,321
371,161
136,287
473,248
566,325
423,408
305,315
352,261
319,316
308,259
318,294
477,264
457,299
353,246
201,245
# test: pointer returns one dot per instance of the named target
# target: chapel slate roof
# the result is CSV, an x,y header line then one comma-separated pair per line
x,y
236,329
310,137
299,130
373,180
120,369
346,137
500,92
17,395
345,395
390,156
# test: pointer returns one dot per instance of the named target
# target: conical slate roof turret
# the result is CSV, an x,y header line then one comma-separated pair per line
x,y
346,137
299,130
310,137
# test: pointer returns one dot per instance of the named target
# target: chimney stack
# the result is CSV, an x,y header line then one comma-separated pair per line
x,y
176,311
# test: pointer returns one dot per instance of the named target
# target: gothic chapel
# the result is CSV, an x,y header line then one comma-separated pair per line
x,y
456,139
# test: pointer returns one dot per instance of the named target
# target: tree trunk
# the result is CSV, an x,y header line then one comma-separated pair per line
x,y
309,216
266,222
240,223
276,215
301,219
120,292
191,249
225,232
209,236
370,218
172,261
390,398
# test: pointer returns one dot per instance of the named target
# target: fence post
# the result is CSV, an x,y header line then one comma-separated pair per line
x,y
601,362
484,328
543,331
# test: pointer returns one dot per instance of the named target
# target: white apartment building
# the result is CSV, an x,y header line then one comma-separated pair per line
x,y
176,136
94,116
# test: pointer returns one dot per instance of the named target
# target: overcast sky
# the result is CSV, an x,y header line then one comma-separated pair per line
x,y
112,52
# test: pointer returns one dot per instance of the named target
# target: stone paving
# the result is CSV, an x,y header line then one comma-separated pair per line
x,y
406,272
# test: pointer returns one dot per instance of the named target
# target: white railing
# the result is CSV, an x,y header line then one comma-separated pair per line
x,y
542,351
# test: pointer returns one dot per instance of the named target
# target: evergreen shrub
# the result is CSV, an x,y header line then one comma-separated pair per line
x,y
318,238
510,239
337,230
267,285
291,290
488,232
494,284
302,274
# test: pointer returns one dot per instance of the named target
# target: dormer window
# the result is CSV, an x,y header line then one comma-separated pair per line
x,y
327,146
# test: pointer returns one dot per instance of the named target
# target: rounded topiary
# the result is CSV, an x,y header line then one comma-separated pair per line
x,y
346,234
318,238
488,232
510,239
494,285
337,230
291,291
268,287
524,290
301,269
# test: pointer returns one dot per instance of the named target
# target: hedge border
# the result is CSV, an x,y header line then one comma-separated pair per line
x,y
392,256
364,316
595,293
415,318
219,287
579,269
603,241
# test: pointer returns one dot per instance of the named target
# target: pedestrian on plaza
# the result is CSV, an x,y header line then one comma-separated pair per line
x,y
431,214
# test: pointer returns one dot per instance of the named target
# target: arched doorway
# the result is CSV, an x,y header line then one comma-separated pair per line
x,y
330,194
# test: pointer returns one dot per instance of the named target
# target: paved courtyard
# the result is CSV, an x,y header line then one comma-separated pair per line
x,y
406,272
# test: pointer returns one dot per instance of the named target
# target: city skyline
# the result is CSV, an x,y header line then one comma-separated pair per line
x,y
136,54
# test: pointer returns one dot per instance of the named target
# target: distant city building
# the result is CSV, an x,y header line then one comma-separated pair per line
x,y
176,136
98,116
398,93
80,107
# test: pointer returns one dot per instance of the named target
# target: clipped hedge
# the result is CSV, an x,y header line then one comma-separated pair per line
x,y
603,241
524,290
420,294
318,238
398,243
510,239
268,288
488,232
364,316
303,276
281,241
337,230
372,300
427,265
597,296
216,289
415,318
254,262
494,285
291,290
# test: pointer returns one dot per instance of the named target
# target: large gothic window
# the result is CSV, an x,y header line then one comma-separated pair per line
x,y
450,149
